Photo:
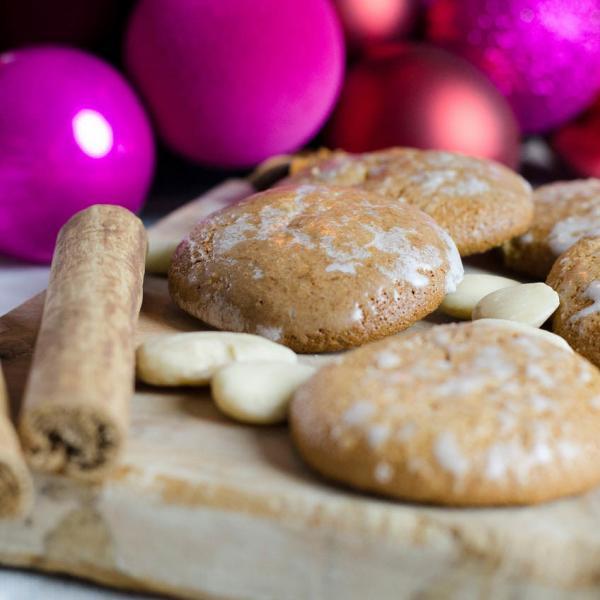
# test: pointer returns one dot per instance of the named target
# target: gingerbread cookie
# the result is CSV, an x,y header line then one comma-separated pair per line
x,y
565,212
315,268
576,278
479,202
468,414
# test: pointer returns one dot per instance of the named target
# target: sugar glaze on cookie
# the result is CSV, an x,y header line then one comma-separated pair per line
x,y
469,414
480,203
315,267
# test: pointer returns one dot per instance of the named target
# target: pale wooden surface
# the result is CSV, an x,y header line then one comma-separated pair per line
x,y
205,508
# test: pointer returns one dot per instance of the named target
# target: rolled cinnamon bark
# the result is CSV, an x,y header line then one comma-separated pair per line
x,y
76,406
16,488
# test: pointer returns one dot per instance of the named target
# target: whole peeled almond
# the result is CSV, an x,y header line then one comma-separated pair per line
x,y
258,392
529,303
470,291
192,358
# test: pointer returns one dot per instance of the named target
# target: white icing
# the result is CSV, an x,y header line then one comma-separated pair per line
x,y
349,268
513,457
302,238
383,472
411,262
530,346
493,361
567,450
388,360
570,230
406,432
508,421
527,238
540,375
257,273
470,186
358,413
456,270
378,434
357,313
449,455
233,234
595,402
592,292
585,373
541,404
430,181
271,333
462,385
344,261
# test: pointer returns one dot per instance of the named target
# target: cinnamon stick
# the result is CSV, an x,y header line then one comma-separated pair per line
x,y
75,412
16,488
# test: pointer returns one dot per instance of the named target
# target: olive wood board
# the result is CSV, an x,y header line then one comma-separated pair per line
x,y
203,507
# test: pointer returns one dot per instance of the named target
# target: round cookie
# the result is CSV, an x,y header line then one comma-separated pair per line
x,y
462,414
576,278
315,268
479,202
565,212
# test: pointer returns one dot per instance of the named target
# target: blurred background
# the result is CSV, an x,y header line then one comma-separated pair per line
x,y
149,103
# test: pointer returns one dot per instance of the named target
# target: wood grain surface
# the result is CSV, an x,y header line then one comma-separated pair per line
x,y
201,507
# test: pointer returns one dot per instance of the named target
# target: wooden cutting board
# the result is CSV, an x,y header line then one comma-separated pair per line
x,y
202,507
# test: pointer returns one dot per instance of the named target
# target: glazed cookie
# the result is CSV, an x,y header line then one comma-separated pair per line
x,y
315,268
565,212
576,278
468,414
480,203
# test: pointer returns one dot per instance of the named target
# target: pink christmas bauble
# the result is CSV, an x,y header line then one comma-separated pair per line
x,y
231,82
418,95
72,134
544,55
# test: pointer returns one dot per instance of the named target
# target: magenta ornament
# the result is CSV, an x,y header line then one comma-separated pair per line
x,y
232,82
543,55
72,134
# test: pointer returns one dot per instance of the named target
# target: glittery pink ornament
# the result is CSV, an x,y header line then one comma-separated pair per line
x,y
544,55
72,134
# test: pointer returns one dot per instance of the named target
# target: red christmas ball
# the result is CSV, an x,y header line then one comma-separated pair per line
x,y
579,142
421,96
371,21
